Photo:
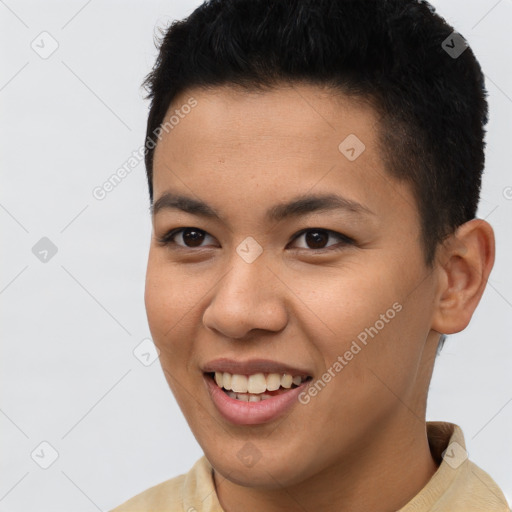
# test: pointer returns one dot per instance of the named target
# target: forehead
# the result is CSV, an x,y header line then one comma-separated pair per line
x,y
304,116
299,125
235,145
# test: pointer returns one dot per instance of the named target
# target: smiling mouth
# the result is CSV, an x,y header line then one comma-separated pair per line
x,y
256,387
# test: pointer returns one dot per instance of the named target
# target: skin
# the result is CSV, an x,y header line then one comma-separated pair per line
x,y
361,443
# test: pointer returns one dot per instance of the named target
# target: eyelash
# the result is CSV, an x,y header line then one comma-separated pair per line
x,y
168,239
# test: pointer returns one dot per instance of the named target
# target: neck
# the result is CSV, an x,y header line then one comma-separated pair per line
x,y
384,476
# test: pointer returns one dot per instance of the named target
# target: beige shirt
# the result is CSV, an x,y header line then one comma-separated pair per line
x,y
458,485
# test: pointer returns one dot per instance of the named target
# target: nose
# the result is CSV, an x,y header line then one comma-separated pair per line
x,y
248,297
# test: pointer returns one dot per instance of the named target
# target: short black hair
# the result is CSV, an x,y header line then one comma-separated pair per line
x,y
395,54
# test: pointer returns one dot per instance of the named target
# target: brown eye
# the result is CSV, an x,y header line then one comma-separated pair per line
x,y
190,238
193,237
316,238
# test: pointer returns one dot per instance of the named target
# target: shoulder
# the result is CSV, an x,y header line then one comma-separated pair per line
x,y
458,485
168,494
194,490
478,491
471,489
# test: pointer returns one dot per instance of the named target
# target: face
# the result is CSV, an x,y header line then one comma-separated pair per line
x,y
331,289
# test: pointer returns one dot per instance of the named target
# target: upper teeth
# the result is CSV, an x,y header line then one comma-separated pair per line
x,y
256,383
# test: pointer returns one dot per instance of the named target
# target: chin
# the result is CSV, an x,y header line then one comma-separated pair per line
x,y
267,472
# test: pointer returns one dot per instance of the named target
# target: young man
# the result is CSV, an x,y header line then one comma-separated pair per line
x,y
314,169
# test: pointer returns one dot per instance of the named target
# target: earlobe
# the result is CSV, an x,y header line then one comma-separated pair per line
x,y
465,262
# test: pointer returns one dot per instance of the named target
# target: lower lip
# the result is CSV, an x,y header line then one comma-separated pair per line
x,y
252,413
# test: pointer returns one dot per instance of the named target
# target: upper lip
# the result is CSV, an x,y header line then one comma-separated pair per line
x,y
252,366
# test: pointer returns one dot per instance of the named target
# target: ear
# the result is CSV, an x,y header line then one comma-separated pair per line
x,y
465,261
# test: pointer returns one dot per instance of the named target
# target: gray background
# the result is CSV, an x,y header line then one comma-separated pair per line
x,y
69,376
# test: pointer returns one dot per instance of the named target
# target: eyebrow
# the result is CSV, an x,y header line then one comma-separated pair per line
x,y
297,207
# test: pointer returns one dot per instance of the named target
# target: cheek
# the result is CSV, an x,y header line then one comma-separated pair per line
x,y
174,301
348,302
168,297
164,309
365,322
166,312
